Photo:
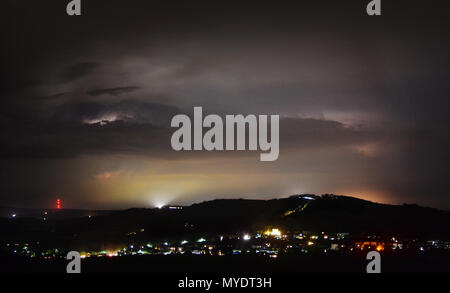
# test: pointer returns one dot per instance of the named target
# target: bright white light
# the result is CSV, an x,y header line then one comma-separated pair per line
x,y
274,232
102,120
201,240
184,242
13,215
159,204
246,237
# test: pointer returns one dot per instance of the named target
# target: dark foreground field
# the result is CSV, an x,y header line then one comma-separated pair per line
x,y
427,263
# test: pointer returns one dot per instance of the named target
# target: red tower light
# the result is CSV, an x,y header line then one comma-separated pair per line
x,y
58,204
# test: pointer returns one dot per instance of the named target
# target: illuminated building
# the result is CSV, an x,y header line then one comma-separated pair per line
x,y
274,232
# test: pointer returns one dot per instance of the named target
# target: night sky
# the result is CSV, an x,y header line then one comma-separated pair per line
x,y
86,101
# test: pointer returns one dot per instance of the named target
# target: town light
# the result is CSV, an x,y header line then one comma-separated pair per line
x,y
274,232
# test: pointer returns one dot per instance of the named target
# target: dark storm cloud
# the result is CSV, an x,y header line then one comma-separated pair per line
x,y
136,112
313,133
113,91
78,70
89,128
143,128
70,141
52,97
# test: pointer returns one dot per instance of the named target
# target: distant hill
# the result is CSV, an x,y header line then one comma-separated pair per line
x,y
329,213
